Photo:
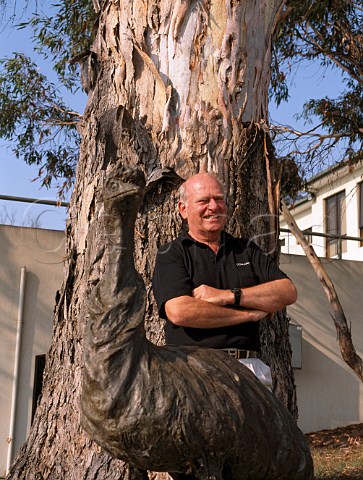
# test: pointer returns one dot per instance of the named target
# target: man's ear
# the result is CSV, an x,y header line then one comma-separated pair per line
x,y
182,210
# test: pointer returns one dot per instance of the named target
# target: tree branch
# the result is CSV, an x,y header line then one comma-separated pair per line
x,y
332,55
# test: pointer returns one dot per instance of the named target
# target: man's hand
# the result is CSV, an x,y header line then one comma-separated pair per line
x,y
213,295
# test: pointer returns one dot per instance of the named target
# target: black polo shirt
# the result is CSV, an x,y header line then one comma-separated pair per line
x,y
184,264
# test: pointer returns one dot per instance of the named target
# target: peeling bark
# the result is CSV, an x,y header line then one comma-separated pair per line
x,y
178,88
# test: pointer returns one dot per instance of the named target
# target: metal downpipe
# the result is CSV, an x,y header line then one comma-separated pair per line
x,y
14,399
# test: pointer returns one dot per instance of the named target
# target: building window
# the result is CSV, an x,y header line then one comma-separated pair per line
x,y
335,224
360,209
38,381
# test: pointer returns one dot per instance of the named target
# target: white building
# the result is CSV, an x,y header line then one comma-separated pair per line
x,y
331,216
31,266
333,206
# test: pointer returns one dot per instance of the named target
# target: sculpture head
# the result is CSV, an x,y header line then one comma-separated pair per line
x,y
125,186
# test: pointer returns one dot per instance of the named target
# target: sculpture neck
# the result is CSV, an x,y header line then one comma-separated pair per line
x,y
119,233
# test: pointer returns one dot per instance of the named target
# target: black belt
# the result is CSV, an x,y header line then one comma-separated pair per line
x,y
236,353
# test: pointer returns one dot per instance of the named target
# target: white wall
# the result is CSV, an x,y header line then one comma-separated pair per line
x,y
41,252
311,213
329,393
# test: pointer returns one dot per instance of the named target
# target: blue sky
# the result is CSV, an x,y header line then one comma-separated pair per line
x,y
16,176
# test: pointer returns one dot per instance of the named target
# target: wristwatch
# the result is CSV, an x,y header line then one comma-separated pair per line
x,y
237,296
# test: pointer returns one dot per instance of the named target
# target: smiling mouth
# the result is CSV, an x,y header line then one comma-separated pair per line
x,y
208,217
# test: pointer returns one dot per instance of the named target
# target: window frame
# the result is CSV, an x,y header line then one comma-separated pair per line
x,y
335,206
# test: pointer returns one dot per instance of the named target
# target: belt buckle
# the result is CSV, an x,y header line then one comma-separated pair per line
x,y
233,352
238,354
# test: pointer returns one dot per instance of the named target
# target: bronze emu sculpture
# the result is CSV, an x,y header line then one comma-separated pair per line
x,y
173,409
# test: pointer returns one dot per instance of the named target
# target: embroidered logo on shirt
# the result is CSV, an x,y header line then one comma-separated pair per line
x,y
242,264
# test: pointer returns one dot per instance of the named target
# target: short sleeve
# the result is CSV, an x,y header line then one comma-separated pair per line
x,y
170,278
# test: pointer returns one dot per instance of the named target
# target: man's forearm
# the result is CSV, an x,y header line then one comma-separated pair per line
x,y
187,311
271,296
268,297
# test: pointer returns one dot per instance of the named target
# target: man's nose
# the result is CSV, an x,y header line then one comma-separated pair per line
x,y
212,204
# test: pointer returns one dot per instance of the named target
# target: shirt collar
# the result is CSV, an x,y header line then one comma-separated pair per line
x,y
185,237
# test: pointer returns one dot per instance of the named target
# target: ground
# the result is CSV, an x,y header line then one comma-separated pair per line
x,y
338,453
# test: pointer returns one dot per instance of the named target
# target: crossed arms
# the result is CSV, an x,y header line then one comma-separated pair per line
x,y
208,307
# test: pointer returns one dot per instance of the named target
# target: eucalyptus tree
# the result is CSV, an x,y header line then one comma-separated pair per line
x,y
323,33
174,88
327,35
37,123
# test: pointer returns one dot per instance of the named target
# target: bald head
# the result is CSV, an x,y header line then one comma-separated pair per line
x,y
196,181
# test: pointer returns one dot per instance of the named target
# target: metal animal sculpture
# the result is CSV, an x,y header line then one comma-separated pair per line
x,y
173,409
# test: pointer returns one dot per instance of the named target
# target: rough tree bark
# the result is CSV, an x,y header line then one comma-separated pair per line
x,y
176,88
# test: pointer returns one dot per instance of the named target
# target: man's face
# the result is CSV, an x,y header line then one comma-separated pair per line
x,y
205,208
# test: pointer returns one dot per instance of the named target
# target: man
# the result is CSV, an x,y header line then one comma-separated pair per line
x,y
213,288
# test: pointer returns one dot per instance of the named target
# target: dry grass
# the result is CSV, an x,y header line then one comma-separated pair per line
x,y
338,453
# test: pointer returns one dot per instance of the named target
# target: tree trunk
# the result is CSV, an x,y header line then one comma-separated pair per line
x,y
176,88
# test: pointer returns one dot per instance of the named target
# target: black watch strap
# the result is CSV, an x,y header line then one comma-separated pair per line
x,y
237,296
